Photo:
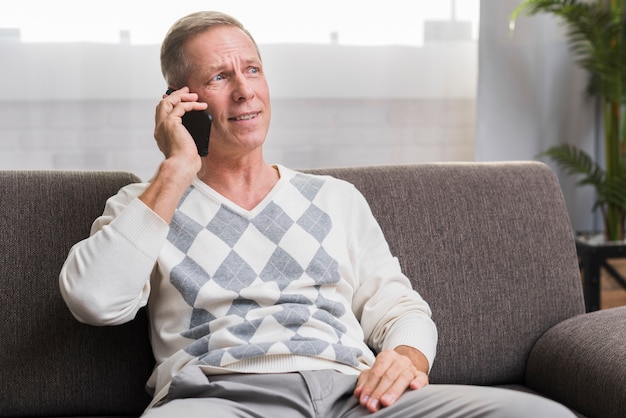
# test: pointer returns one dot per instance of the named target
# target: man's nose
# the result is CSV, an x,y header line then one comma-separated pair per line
x,y
243,89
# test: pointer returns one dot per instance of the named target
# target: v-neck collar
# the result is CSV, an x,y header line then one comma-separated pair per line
x,y
219,198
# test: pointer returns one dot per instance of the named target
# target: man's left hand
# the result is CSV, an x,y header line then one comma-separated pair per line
x,y
393,372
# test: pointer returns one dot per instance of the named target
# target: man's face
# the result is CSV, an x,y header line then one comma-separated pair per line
x,y
228,75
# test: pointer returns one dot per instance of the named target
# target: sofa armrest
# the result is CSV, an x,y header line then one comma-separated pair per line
x,y
581,362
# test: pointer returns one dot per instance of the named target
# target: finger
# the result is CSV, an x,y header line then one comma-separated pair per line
x,y
378,380
174,97
420,381
399,385
359,383
171,91
169,132
368,380
176,105
391,375
183,95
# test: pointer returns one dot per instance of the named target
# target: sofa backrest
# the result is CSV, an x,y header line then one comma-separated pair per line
x,y
50,364
490,247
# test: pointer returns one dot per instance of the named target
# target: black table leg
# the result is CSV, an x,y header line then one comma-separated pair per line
x,y
591,282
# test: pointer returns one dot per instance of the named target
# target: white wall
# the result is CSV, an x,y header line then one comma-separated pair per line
x,y
531,95
90,106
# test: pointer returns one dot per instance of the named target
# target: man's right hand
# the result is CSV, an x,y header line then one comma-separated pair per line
x,y
172,137
182,161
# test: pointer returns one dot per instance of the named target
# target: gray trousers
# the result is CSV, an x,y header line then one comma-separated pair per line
x,y
328,394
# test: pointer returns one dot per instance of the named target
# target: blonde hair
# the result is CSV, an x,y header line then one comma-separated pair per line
x,y
175,65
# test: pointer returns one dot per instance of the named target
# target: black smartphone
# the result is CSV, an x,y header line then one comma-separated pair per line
x,y
198,123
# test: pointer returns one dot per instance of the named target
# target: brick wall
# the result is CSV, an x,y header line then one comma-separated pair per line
x,y
305,133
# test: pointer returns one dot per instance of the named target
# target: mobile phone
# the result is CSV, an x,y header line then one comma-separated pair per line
x,y
198,123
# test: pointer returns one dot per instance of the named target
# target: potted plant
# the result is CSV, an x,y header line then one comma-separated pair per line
x,y
596,31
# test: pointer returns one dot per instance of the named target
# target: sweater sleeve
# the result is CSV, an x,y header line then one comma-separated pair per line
x,y
390,311
105,279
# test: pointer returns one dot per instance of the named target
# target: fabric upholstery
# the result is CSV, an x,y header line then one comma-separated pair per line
x,y
488,245
51,365
575,355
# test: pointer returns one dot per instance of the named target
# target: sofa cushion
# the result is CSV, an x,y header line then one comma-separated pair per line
x,y
52,365
583,352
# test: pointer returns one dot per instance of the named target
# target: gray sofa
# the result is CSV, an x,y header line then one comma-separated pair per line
x,y
489,245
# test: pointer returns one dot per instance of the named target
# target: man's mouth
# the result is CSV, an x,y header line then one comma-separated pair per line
x,y
245,117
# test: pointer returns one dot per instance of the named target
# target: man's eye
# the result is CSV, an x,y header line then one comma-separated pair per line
x,y
218,77
253,70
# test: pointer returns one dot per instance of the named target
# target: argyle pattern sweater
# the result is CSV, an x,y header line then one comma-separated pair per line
x,y
303,281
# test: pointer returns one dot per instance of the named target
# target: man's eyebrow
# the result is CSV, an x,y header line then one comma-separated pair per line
x,y
245,61
252,60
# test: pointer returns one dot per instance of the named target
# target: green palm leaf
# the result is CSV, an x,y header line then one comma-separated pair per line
x,y
596,37
614,191
596,33
576,162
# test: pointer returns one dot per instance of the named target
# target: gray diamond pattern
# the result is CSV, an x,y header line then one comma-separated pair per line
x,y
245,331
241,307
228,226
293,316
199,347
308,347
188,277
273,222
183,231
233,274
308,186
323,268
199,324
281,268
315,222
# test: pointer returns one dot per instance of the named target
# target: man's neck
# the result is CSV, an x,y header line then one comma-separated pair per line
x,y
245,183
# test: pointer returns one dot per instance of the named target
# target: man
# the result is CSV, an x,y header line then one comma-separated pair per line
x,y
265,287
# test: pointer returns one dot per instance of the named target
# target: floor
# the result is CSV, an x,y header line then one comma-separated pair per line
x,y
611,299
611,293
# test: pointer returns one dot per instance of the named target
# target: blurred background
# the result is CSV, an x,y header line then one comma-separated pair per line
x,y
352,83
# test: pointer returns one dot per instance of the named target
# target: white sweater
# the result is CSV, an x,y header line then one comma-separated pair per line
x,y
304,281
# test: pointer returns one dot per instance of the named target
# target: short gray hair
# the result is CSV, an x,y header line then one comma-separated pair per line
x,y
175,64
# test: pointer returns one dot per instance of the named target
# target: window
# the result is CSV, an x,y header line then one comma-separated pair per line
x,y
353,82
